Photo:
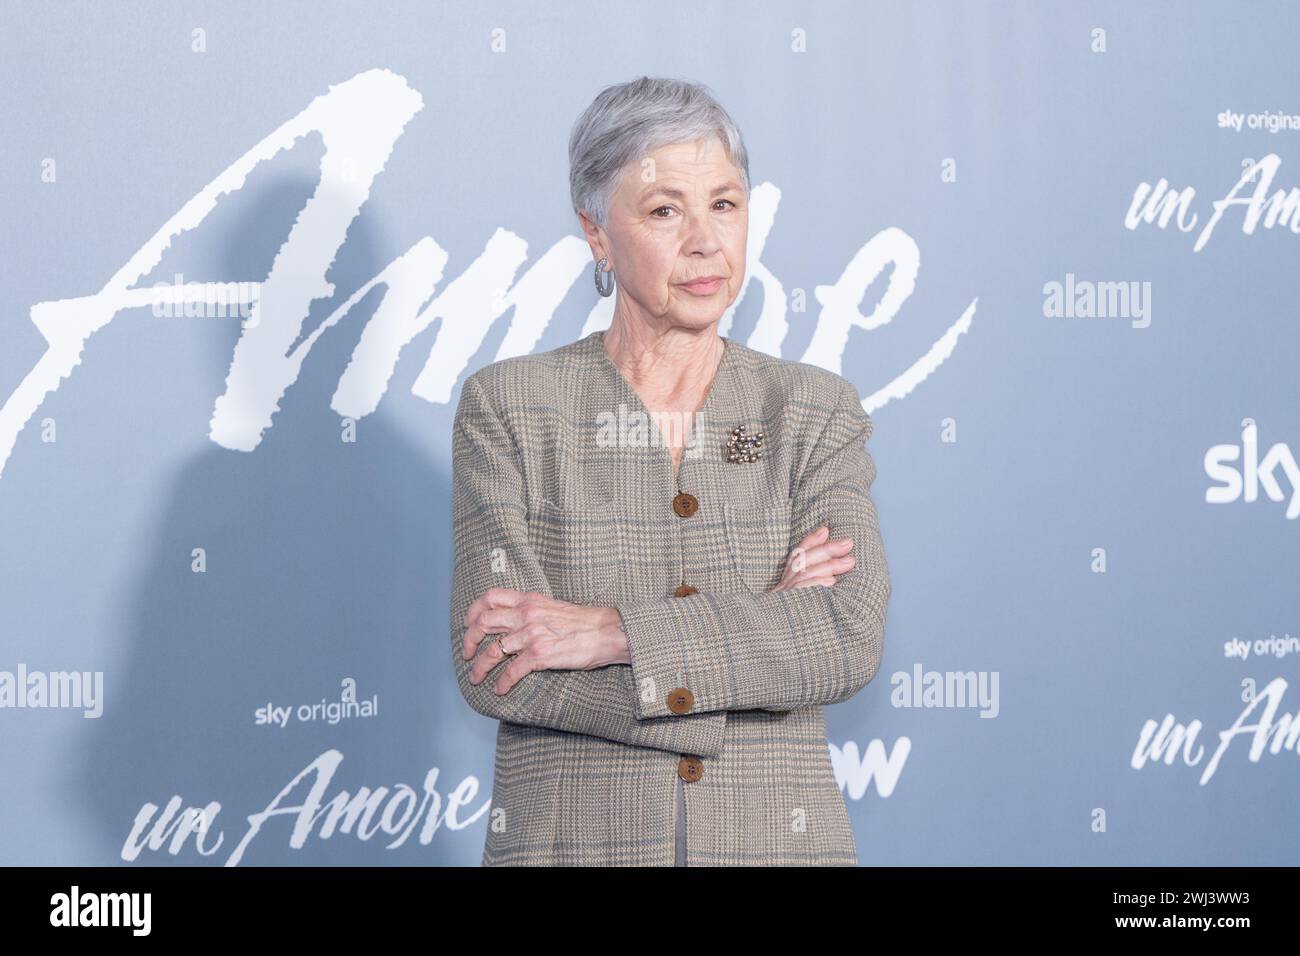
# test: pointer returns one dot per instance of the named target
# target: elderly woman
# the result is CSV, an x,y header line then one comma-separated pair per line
x,y
669,609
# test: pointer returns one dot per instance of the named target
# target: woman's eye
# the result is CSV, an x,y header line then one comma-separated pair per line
x,y
664,212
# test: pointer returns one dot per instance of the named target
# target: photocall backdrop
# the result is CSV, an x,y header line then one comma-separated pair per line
x,y
226,547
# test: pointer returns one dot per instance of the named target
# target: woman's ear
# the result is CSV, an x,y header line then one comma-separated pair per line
x,y
595,237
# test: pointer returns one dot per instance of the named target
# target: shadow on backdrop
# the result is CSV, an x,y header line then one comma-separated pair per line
x,y
325,561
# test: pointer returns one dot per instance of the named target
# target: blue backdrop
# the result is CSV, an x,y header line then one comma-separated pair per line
x,y
225,533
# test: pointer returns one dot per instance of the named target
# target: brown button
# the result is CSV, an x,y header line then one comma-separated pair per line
x,y
680,701
690,768
684,590
685,505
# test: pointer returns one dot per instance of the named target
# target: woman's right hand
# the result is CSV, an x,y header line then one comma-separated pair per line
x,y
816,560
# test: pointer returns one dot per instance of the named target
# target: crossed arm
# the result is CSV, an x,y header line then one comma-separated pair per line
x,y
779,650
491,550
775,651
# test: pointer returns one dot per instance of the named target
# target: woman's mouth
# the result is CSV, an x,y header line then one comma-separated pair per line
x,y
705,286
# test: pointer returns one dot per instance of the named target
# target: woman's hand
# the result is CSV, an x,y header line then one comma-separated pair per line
x,y
544,633
816,560
540,633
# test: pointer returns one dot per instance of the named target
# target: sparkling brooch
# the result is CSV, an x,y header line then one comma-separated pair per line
x,y
742,447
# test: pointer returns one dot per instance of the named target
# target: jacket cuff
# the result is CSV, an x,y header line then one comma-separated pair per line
x,y
662,679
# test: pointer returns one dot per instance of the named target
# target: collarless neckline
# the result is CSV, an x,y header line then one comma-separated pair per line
x,y
703,413
724,363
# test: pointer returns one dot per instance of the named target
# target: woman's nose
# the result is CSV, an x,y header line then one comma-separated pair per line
x,y
701,237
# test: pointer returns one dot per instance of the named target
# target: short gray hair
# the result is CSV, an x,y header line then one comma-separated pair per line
x,y
628,120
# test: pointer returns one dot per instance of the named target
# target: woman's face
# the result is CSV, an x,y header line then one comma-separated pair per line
x,y
678,215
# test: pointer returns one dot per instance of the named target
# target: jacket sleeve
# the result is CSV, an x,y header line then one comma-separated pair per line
x,y
779,650
491,549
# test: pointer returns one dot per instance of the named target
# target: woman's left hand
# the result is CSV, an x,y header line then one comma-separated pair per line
x,y
540,633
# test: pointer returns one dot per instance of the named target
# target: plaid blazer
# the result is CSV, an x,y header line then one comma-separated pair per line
x,y
713,740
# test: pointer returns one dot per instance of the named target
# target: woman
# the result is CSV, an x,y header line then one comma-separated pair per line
x,y
671,608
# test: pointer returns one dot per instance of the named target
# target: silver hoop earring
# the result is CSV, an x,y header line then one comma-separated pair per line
x,y
608,286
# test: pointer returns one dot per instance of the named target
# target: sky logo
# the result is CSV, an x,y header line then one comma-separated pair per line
x,y
1254,472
